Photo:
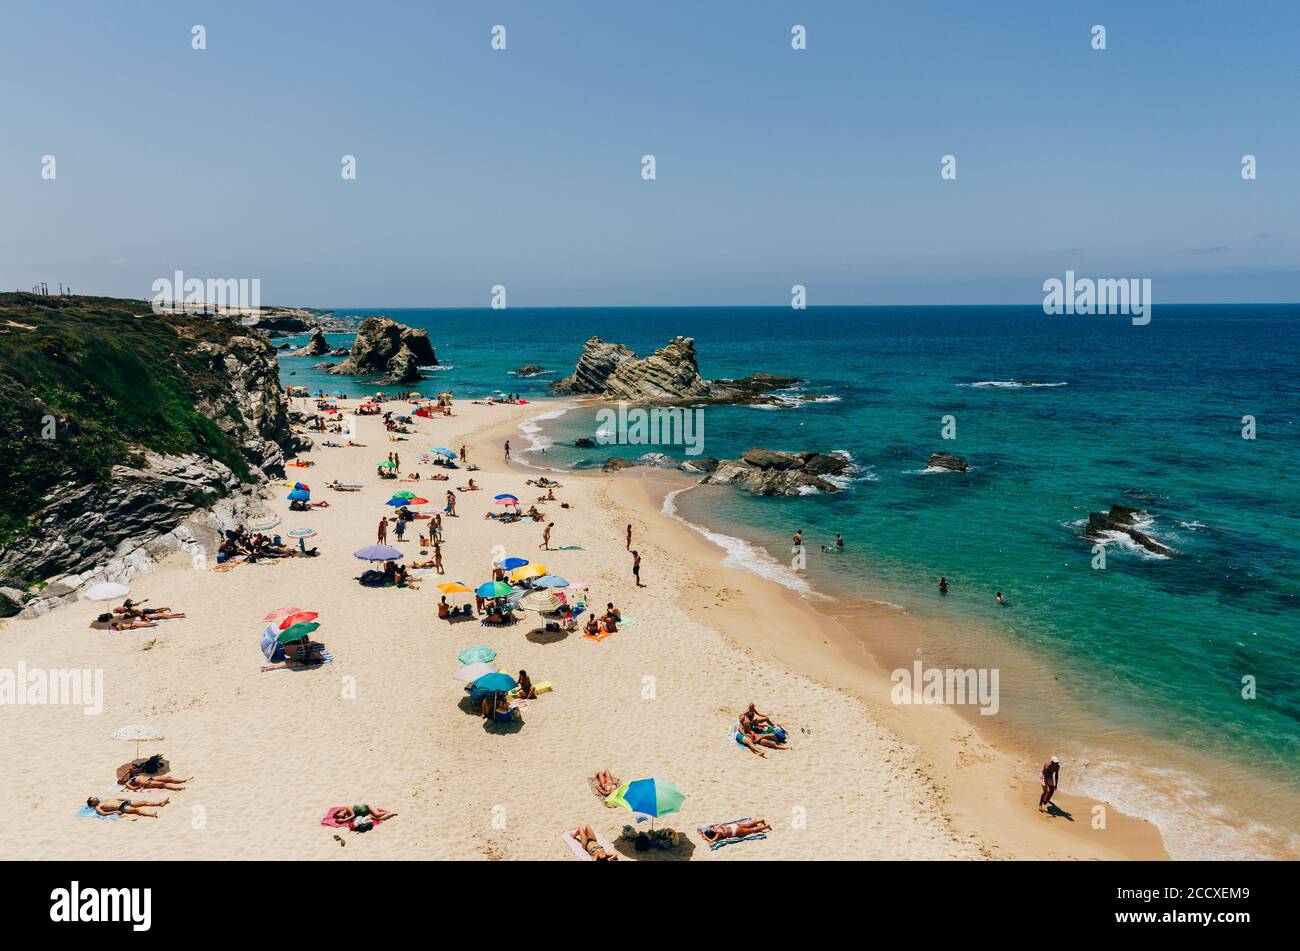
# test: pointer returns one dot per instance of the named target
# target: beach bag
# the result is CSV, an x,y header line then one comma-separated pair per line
x,y
363,824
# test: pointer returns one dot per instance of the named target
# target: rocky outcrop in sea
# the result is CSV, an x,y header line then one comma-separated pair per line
x,y
1123,520
943,460
316,345
769,472
670,375
389,350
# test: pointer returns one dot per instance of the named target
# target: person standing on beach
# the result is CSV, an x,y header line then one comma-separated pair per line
x,y
507,450
437,557
383,531
397,463
451,503
1049,777
636,568
546,536
400,528
464,454
629,538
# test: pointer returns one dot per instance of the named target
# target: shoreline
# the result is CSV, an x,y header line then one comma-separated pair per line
x,y
1194,801
985,791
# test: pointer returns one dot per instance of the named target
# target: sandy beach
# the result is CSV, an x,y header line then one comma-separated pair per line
x,y
384,723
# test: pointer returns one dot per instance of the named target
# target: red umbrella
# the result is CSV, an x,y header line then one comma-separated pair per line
x,y
301,617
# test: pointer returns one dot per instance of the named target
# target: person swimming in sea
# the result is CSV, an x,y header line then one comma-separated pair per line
x,y
943,585
1001,598
838,546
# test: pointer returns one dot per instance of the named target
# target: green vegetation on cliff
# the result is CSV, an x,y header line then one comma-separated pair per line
x,y
115,378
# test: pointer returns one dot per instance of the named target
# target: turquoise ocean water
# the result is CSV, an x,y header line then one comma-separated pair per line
x,y
1149,648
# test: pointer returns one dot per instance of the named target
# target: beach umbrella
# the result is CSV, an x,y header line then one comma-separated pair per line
x,y
495,682
493,589
477,655
506,495
299,495
539,601
648,797
302,617
455,587
473,671
444,451
281,613
377,553
388,464
302,485
550,581
507,501
270,638
404,495
399,502
528,571
136,734
107,591
301,532
297,632
510,564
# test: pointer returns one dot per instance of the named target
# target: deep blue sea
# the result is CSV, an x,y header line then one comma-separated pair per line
x,y
1149,416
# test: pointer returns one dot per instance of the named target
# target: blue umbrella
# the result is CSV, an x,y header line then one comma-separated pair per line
x,y
495,683
649,797
510,564
550,581
397,502
507,495
378,553
444,451
299,495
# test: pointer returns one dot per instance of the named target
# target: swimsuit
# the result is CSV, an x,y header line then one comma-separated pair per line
x,y
124,805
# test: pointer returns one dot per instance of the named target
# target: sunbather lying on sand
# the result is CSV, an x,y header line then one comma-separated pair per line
x,y
106,622
348,813
128,807
735,830
137,782
747,738
586,837
605,782
758,721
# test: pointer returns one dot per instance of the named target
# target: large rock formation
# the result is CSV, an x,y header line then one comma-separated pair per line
x,y
768,472
1123,520
390,350
669,375
316,345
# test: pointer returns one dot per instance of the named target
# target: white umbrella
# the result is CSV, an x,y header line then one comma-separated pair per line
x,y
107,591
136,734
539,601
473,671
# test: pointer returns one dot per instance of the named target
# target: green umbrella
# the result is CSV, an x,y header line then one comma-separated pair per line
x,y
297,632
493,589
404,495
477,655
388,464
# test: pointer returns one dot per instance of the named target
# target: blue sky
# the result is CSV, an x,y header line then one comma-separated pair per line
x,y
521,167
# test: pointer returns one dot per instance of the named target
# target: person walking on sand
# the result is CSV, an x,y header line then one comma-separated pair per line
x,y
629,538
1049,778
464,454
383,531
636,568
507,450
546,536
400,528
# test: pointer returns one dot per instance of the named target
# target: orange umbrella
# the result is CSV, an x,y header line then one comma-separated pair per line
x,y
302,617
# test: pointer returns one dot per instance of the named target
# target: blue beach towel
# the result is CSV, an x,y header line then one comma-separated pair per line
x,y
721,842
85,812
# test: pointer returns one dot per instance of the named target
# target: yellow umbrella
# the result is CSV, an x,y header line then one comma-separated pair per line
x,y
454,587
528,571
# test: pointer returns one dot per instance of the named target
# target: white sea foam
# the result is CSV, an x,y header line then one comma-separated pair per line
x,y
1191,825
741,554
439,367
538,440
1010,384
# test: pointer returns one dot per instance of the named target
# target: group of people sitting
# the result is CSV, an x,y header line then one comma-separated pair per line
x,y
757,732
607,623
133,616
240,543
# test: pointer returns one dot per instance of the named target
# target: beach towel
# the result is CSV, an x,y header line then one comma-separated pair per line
x,y
626,622
581,853
486,623
334,823
326,658
732,841
86,812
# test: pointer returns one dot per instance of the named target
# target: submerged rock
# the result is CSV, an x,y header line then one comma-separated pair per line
x,y
530,369
943,460
1122,519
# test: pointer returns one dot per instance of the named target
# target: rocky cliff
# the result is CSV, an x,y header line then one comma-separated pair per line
x,y
118,425
390,350
669,375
